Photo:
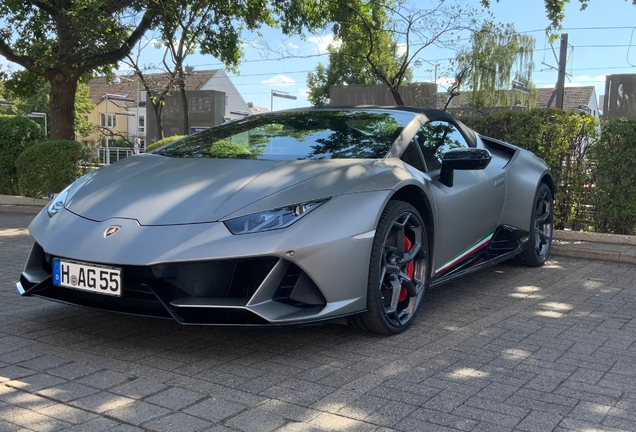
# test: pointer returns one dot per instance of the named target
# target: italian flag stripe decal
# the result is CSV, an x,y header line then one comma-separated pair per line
x,y
482,243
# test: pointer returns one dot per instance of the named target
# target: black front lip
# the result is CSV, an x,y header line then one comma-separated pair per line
x,y
99,305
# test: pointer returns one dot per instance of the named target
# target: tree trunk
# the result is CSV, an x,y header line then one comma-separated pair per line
x,y
186,113
160,123
157,107
396,96
62,106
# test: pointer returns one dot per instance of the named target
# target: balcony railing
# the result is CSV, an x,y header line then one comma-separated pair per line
x,y
107,155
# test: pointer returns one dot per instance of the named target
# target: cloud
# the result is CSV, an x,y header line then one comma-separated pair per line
x,y
303,92
323,42
280,80
401,48
586,78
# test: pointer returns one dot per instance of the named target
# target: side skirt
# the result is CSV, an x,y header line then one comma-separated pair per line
x,y
505,243
501,258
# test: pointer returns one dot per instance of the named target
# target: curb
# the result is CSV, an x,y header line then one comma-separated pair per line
x,y
595,246
10,200
20,204
594,237
28,209
589,252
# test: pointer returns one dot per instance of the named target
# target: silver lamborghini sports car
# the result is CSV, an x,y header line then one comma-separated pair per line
x,y
294,217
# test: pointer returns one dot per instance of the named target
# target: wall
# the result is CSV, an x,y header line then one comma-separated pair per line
x,y
222,83
416,94
122,126
205,109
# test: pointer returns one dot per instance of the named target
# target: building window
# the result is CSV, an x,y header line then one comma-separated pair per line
x,y
143,96
107,122
142,125
227,101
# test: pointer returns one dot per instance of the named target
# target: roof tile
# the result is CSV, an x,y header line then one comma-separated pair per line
x,y
99,86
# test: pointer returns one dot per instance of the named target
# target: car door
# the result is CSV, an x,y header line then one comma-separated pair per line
x,y
468,212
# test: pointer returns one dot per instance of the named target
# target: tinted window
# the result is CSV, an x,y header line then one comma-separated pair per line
x,y
435,139
412,157
297,135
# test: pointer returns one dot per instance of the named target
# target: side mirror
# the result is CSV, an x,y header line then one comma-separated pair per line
x,y
462,159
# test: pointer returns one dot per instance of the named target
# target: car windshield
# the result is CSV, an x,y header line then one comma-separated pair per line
x,y
294,135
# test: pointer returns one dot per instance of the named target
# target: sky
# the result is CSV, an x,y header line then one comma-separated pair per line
x,y
602,41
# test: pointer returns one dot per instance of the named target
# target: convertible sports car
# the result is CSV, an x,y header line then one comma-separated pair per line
x,y
294,217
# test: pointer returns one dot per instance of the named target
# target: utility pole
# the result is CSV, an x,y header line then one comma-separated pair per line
x,y
563,60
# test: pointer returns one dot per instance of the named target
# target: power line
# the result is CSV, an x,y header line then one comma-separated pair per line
x,y
579,28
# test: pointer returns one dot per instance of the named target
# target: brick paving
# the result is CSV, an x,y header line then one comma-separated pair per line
x,y
507,349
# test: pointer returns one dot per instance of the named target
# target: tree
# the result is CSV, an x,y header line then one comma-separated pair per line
x,y
371,32
498,55
63,40
30,93
348,63
157,87
213,28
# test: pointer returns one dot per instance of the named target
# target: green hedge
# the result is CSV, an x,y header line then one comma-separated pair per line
x,y
614,177
229,149
49,166
16,134
162,142
559,137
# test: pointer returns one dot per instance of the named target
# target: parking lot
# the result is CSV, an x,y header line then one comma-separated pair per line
x,y
510,348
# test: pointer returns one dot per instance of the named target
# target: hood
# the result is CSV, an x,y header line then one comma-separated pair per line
x,y
157,190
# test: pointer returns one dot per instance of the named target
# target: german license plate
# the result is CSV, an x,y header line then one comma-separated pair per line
x,y
87,277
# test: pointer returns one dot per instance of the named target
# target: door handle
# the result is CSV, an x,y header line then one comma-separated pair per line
x,y
499,181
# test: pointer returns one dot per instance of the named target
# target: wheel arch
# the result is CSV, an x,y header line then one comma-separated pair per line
x,y
415,196
547,179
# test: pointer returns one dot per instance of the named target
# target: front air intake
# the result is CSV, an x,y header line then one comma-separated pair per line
x,y
297,289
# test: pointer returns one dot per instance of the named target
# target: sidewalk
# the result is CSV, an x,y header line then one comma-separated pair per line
x,y
574,244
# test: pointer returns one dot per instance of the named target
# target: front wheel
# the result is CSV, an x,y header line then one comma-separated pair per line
x,y
398,271
540,238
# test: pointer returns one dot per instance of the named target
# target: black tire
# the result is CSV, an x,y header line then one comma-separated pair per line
x,y
540,238
398,271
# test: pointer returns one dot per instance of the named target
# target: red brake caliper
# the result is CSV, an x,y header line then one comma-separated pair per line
x,y
410,267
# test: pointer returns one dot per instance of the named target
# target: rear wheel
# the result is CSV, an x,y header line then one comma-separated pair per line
x,y
540,238
398,271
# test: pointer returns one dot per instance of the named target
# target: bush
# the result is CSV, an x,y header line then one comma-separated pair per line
x,y
559,137
162,142
49,166
16,134
229,149
614,194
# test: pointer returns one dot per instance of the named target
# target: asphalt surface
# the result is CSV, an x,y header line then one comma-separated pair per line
x,y
506,349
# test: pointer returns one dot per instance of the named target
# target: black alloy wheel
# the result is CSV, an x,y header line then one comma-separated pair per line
x,y
540,238
398,272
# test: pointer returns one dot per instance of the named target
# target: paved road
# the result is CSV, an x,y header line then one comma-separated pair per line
x,y
510,348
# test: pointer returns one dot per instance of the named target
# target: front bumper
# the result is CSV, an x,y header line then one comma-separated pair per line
x,y
312,271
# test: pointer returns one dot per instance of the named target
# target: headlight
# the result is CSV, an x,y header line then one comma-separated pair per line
x,y
59,202
271,219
